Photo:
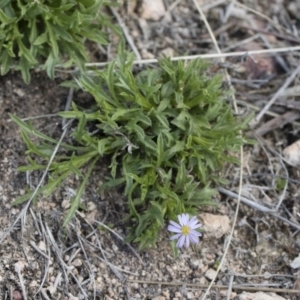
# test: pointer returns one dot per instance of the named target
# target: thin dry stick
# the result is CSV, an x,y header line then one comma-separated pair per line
x,y
217,47
274,98
36,248
266,275
173,5
44,294
203,56
47,265
277,122
126,33
276,34
68,104
18,268
258,207
82,240
217,286
228,297
228,11
233,224
241,43
241,159
278,58
169,9
113,268
212,4
282,196
92,245
57,251
83,291
119,237
22,214
89,267
269,113
278,26
246,201
57,281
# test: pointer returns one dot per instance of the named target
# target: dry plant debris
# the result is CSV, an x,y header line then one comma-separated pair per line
x,y
89,259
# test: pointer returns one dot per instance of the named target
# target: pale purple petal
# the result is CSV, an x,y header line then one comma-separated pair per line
x,y
183,219
176,236
196,226
180,219
194,222
175,224
172,228
186,219
180,242
195,232
187,241
194,239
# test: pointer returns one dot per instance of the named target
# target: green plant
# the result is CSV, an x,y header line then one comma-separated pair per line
x,y
167,130
48,32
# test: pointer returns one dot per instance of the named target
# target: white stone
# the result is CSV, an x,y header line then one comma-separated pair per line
x,y
295,264
42,246
292,154
153,10
77,262
259,296
210,274
215,225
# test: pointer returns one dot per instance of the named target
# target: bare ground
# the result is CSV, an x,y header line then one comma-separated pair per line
x,y
86,260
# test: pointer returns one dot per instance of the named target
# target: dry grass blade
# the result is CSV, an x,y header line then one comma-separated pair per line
x,y
230,284
277,122
284,191
275,97
126,33
44,294
241,159
112,267
22,214
46,241
57,252
219,286
19,266
259,207
246,201
92,274
98,245
119,237
275,24
68,104
192,57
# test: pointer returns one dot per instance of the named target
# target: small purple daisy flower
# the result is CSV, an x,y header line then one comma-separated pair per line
x,y
185,231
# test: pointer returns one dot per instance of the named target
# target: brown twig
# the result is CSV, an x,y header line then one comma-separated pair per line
x,y
274,98
278,122
241,152
217,286
278,35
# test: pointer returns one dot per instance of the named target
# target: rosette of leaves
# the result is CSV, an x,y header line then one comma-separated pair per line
x,y
168,132
48,32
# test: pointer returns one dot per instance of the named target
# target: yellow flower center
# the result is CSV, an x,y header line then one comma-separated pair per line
x,y
185,230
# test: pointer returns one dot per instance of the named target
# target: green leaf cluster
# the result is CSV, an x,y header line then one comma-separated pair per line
x,y
168,132
48,32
